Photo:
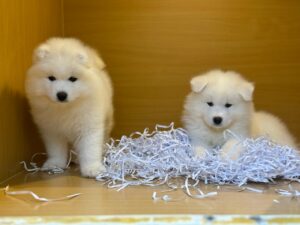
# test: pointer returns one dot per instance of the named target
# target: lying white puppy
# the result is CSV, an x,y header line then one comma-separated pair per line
x,y
223,100
70,96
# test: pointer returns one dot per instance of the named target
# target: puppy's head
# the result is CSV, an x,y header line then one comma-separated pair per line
x,y
63,71
221,99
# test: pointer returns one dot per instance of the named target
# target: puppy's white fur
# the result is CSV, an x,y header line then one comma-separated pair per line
x,y
228,96
84,119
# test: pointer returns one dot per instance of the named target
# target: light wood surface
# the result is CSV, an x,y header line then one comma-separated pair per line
x,y
97,199
152,49
23,25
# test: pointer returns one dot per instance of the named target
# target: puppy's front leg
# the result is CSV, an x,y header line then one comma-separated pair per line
x,y
89,148
57,149
232,149
200,151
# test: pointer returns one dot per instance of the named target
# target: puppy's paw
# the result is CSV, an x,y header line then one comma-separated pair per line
x,y
200,151
92,170
53,163
232,149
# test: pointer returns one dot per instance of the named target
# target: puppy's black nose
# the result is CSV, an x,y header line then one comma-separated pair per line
x,y
62,96
217,120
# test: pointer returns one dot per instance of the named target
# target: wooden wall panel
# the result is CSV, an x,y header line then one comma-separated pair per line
x,y
152,49
23,24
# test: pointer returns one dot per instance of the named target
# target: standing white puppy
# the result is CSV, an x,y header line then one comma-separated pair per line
x,y
223,100
70,96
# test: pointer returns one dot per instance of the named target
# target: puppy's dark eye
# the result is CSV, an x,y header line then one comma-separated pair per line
x,y
228,105
72,79
51,78
210,104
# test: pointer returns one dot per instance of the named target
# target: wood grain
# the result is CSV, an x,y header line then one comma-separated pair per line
x,y
23,24
152,49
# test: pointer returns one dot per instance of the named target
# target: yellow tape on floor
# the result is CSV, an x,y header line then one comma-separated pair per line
x,y
157,220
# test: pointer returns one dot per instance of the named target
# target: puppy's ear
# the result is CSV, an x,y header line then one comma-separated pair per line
x,y
90,58
82,58
41,53
198,84
97,59
246,91
99,62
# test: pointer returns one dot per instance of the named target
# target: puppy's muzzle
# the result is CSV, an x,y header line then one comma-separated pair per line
x,y
62,96
217,120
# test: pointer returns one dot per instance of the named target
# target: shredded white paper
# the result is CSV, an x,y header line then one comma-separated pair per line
x,y
155,158
289,193
166,198
36,168
38,198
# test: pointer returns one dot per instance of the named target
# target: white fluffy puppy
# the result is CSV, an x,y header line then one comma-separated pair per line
x,y
223,100
70,96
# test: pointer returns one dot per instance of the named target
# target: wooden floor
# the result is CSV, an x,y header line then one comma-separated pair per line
x,y
97,199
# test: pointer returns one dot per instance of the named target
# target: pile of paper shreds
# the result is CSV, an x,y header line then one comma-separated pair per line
x,y
155,158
